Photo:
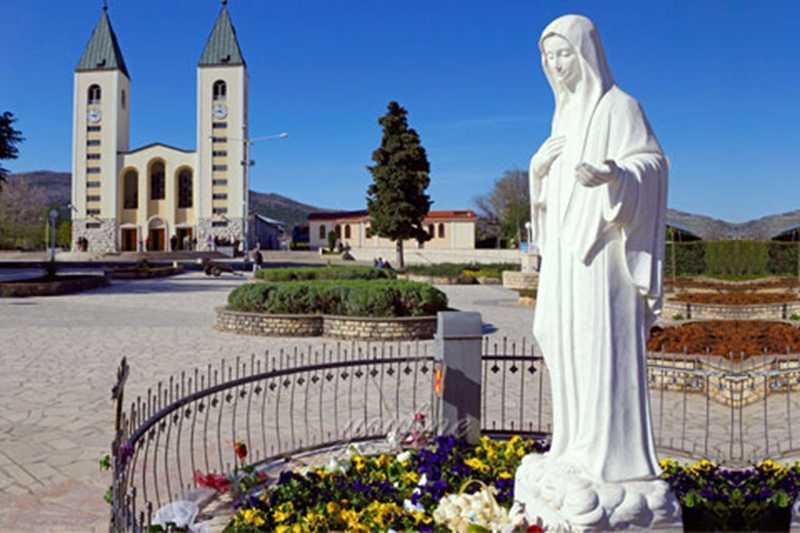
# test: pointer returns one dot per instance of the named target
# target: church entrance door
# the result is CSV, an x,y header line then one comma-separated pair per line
x,y
184,238
128,239
157,240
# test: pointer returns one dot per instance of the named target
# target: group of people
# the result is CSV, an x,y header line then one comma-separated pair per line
x,y
380,263
186,243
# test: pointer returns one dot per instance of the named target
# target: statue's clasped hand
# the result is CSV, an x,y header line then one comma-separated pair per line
x,y
547,153
591,176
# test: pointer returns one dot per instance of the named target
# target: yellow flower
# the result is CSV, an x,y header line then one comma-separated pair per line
x,y
411,478
332,508
359,463
421,518
383,460
315,521
253,517
283,512
349,517
505,475
476,464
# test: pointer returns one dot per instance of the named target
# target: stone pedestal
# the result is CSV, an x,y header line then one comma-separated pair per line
x,y
561,497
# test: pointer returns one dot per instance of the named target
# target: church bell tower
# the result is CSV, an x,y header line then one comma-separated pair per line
x,y
221,134
100,131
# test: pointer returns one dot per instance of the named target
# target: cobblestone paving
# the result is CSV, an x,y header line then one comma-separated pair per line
x,y
58,358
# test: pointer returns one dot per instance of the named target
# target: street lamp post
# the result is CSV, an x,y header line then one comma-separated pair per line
x,y
247,163
53,218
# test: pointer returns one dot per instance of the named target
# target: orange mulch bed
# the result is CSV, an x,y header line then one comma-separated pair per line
x,y
736,298
690,283
721,337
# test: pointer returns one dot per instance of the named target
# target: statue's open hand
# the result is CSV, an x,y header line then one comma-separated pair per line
x,y
591,176
546,154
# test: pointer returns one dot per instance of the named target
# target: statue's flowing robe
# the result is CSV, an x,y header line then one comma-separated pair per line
x,y
600,284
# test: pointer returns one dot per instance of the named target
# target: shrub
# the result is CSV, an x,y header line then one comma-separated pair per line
x,y
380,298
330,273
783,258
332,240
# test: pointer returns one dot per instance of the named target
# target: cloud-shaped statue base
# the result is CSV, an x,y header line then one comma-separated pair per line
x,y
561,497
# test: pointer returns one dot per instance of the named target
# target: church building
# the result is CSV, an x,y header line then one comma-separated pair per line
x,y
158,197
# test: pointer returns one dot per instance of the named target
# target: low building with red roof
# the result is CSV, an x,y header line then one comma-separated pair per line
x,y
449,230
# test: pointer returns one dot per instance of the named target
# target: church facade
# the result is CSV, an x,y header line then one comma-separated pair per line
x,y
158,197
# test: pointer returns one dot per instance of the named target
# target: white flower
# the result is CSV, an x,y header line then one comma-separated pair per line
x,y
403,457
334,466
423,480
411,507
392,439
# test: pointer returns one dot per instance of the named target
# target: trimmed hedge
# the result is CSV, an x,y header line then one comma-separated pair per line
x,y
324,273
379,298
733,258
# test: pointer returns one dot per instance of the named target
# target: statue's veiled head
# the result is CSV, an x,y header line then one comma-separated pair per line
x,y
573,55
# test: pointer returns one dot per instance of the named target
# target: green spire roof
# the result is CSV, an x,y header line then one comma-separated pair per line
x,y
222,47
103,52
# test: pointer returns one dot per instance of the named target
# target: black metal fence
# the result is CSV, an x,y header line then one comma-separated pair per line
x,y
305,399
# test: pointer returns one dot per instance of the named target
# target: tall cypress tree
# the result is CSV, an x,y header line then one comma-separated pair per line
x,y
396,199
9,139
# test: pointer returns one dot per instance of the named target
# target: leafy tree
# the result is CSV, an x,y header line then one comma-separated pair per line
x,y
332,238
396,199
504,211
9,139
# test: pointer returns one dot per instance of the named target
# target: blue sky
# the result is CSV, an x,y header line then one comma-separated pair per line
x,y
718,80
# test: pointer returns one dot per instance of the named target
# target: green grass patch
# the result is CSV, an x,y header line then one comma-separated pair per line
x,y
375,298
324,273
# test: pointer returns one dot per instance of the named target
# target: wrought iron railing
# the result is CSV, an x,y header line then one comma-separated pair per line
x,y
303,400
293,402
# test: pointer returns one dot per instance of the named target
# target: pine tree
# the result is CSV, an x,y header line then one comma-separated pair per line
x,y
9,138
396,199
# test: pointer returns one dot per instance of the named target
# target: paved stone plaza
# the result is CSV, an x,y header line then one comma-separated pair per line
x,y
59,356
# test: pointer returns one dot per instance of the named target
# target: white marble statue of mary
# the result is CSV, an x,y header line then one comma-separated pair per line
x,y
598,195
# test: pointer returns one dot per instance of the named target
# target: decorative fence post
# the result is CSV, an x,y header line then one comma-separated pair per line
x,y
459,337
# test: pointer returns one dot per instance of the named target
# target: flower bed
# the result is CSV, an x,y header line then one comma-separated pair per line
x,y
427,489
51,285
324,273
382,492
722,337
459,273
379,298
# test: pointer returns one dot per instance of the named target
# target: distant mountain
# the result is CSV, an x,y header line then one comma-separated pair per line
x,y
271,205
56,184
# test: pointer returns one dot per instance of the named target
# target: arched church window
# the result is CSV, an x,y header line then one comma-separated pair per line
x,y
130,187
185,189
220,90
94,94
347,231
441,231
157,181
322,233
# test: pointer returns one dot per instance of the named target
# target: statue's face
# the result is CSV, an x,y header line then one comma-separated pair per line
x,y
562,61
